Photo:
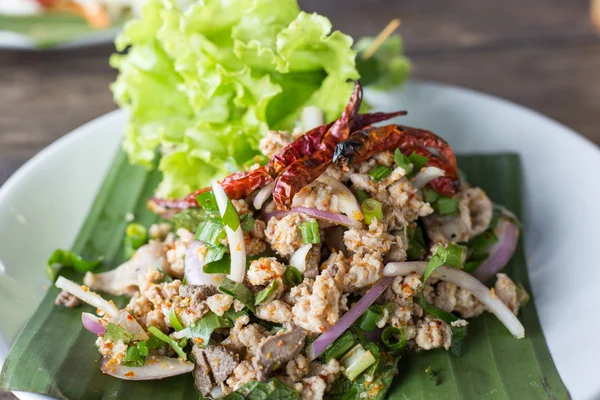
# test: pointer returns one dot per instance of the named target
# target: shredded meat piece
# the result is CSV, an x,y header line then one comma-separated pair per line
x,y
66,299
284,235
433,333
321,309
274,142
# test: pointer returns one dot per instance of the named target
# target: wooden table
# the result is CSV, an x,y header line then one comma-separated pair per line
x,y
543,54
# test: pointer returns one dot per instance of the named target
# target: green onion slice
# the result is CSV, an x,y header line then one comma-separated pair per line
x,y
310,232
368,321
372,210
379,172
247,222
361,195
64,258
389,337
356,361
455,255
339,347
446,206
418,161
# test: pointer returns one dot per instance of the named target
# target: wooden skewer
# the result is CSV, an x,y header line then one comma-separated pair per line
x,y
383,35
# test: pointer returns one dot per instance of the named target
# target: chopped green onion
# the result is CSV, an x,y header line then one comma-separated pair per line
x,y
446,205
338,348
143,347
247,222
137,233
239,291
182,342
402,161
292,276
368,321
171,342
389,337
64,258
430,195
219,266
379,172
482,242
210,233
267,293
116,333
174,320
356,361
133,357
455,256
418,161
361,195
372,210
310,232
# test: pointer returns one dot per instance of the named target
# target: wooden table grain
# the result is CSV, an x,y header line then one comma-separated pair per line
x,y
543,54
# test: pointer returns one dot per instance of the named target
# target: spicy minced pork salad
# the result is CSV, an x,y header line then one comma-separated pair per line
x,y
312,273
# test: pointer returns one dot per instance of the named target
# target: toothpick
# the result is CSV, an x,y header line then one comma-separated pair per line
x,y
385,33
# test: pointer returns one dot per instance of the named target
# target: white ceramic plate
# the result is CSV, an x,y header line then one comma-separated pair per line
x,y
17,41
43,205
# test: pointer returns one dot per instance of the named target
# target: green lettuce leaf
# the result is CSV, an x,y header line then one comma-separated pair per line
x,y
204,81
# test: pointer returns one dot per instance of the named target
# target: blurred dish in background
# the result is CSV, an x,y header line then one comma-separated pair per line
x,y
38,24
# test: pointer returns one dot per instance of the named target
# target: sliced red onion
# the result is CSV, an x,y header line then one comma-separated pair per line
x,y
426,175
316,348
130,324
298,259
312,117
277,214
337,219
237,247
93,323
194,261
263,195
86,295
500,252
465,281
155,367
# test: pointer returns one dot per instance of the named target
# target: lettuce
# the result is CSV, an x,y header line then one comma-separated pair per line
x,y
204,80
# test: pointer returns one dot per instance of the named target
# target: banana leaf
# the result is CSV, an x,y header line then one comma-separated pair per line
x,y
54,355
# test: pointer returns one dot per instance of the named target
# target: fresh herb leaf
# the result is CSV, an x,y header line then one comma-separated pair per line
x,y
116,333
402,161
133,357
168,340
65,258
188,219
200,331
416,243
210,233
239,291
233,315
272,389
418,161
247,221
292,276
267,293
220,266
207,201
379,172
